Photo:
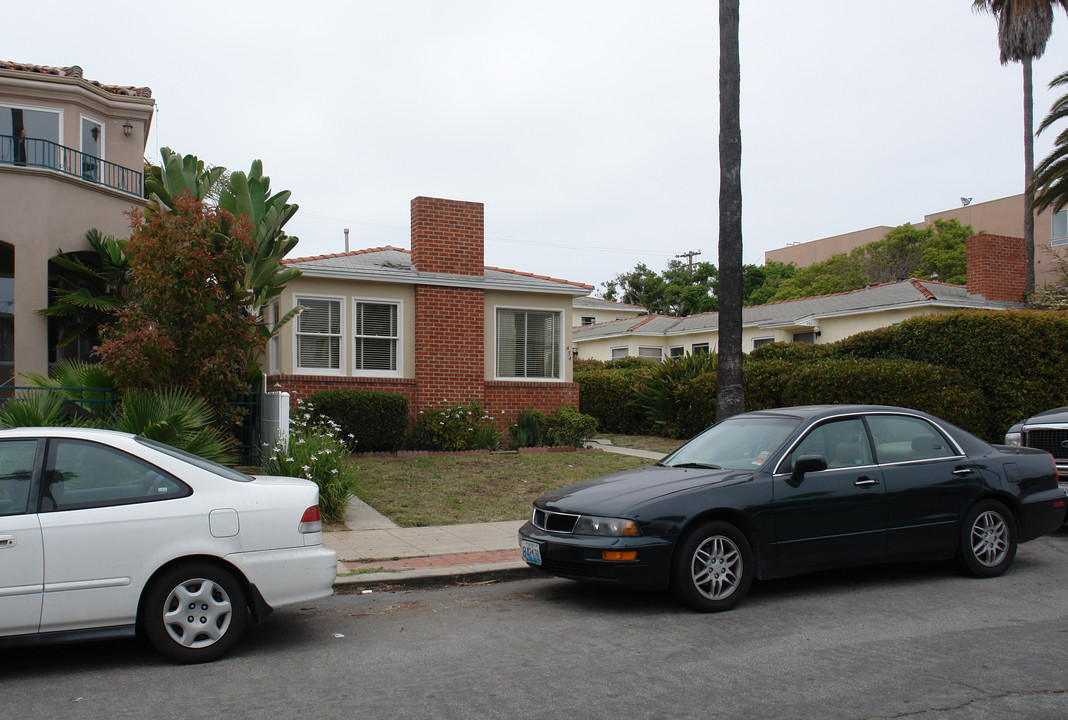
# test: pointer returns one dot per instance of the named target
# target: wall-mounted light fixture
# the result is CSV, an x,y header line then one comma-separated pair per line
x,y
127,128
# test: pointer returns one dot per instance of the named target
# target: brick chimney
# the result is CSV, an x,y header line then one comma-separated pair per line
x,y
997,267
447,236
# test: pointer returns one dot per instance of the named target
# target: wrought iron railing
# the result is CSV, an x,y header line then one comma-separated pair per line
x,y
34,152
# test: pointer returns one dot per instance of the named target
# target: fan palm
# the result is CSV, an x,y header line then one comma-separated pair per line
x,y
1024,28
1051,175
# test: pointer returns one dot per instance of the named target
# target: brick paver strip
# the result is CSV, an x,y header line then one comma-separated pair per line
x,y
436,561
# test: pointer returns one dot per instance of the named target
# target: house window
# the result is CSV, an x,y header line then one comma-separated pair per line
x,y
620,352
809,338
1060,228
528,343
319,334
676,351
589,320
376,336
699,348
92,148
757,342
652,353
29,137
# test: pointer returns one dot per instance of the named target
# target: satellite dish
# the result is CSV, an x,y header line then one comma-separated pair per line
x,y
965,202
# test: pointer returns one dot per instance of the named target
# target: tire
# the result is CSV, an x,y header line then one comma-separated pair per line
x,y
987,540
713,567
194,612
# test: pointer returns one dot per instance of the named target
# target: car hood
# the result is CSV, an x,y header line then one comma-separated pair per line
x,y
618,494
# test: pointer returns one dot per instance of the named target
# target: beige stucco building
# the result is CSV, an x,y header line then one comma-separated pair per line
x,y
1003,216
592,310
71,159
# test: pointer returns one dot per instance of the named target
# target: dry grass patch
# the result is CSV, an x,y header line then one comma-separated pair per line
x,y
458,489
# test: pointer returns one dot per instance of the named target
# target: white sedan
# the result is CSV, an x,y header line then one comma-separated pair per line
x,y
106,534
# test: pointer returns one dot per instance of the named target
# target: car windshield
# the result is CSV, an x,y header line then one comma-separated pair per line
x,y
738,443
228,473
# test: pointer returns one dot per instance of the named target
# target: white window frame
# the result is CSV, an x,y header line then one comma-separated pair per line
x,y
342,324
704,347
588,320
612,352
561,349
1062,239
398,339
659,352
103,130
676,351
766,340
59,122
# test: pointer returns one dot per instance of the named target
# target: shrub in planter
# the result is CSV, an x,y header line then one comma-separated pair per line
x,y
567,426
453,427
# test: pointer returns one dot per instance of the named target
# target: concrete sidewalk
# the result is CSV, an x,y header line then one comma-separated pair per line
x,y
372,550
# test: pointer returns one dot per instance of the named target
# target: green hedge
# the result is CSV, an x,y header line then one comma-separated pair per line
x,y
376,420
608,395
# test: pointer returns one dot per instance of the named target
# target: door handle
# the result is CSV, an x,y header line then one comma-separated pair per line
x,y
962,471
7,541
866,482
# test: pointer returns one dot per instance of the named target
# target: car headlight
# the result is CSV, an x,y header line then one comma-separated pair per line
x,y
612,527
1013,439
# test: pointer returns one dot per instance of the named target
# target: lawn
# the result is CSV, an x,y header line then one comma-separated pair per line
x,y
461,488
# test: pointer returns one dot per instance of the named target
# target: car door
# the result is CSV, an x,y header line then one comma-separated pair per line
x,y
104,513
833,516
929,483
21,550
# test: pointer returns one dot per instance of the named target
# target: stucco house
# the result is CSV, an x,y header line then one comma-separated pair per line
x,y
432,323
995,282
592,310
71,159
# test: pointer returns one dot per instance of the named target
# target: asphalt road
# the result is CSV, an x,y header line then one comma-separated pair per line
x,y
886,642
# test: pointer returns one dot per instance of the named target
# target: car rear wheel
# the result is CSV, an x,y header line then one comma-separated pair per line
x,y
195,612
987,540
713,567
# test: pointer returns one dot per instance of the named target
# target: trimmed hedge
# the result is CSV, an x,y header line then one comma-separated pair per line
x,y
377,420
608,395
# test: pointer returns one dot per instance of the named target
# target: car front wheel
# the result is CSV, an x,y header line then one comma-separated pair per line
x,y
987,540
713,567
195,612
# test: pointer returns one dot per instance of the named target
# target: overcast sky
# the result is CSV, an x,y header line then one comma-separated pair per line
x,y
589,128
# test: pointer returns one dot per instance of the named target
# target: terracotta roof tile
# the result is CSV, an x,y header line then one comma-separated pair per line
x,y
75,71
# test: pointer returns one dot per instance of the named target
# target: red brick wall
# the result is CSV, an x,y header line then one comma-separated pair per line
x,y
450,333
997,267
448,236
504,400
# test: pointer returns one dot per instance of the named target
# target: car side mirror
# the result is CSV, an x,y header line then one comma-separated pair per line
x,y
806,464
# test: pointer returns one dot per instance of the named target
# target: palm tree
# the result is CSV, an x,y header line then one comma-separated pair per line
x,y
1024,27
1051,175
730,399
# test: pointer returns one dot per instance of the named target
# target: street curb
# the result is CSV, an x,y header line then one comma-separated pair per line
x,y
458,575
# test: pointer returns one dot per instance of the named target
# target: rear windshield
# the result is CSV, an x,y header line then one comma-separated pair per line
x,y
213,467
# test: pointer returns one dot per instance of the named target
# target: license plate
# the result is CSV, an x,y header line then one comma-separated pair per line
x,y
531,552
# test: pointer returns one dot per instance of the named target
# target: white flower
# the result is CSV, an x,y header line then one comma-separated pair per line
x,y
289,459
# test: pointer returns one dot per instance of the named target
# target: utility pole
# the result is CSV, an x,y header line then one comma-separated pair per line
x,y
689,256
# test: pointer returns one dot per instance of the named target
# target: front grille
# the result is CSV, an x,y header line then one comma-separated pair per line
x,y
554,521
1049,439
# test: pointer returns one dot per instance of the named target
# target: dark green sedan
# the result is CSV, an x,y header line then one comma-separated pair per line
x,y
792,490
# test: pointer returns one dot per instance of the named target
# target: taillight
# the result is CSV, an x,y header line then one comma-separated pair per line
x,y
311,521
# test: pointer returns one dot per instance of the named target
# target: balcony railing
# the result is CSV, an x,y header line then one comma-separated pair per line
x,y
34,152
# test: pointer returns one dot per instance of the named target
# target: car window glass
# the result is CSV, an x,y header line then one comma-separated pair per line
x,y
84,474
16,474
899,438
743,442
843,443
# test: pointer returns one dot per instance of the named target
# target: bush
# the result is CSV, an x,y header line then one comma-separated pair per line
x,y
795,352
608,395
567,426
376,421
940,391
530,429
453,427
631,363
316,451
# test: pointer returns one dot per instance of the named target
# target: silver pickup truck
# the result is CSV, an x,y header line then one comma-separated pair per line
x,y
1046,431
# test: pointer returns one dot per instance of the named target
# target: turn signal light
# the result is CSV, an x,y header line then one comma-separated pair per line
x,y
619,555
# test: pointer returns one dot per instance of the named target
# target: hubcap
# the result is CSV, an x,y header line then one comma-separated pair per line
x,y
990,538
716,567
197,613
